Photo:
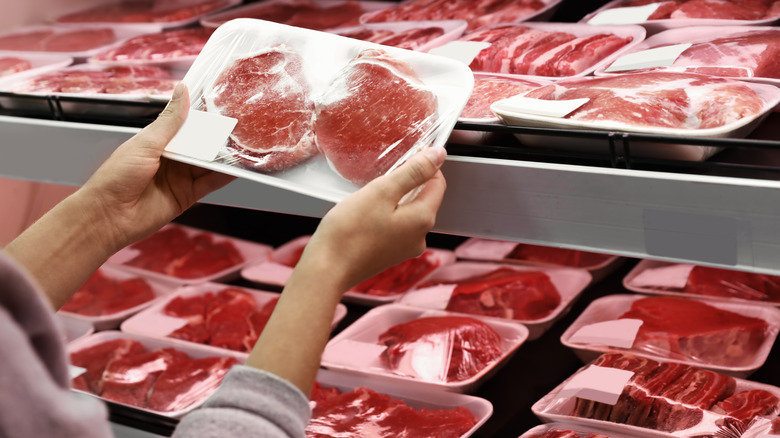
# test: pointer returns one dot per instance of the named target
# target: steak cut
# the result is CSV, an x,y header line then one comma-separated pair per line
x,y
187,381
372,115
307,14
96,358
475,13
159,46
399,278
746,405
10,65
270,96
710,9
101,295
727,283
490,89
109,80
145,11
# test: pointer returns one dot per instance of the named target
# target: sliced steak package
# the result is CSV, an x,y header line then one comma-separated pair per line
x,y
411,35
161,14
78,42
30,63
319,113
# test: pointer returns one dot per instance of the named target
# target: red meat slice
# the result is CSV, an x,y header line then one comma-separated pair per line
x,y
557,256
270,97
488,90
96,358
733,284
27,41
476,13
188,381
227,319
371,35
451,348
129,380
79,40
190,308
322,17
746,405
159,46
401,277
160,11
718,9
10,65
680,404
101,295
205,260
411,39
359,126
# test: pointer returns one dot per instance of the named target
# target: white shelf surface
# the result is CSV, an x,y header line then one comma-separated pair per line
x,y
719,221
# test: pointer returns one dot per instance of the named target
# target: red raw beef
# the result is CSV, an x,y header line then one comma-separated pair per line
x,y
227,319
775,426
728,283
696,388
188,381
129,380
101,295
301,13
157,11
79,40
711,9
111,80
657,99
476,13
400,278
159,46
488,90
366,34
689,329
96,358
10,65
359,126
746,405
455,348
557,256
25,41
191,308
558,433
412,39
364,412
206,259
270,97
506,293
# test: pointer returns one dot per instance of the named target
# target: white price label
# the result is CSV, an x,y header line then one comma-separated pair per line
x,y
672,276
434,297
74,371
619,333
538,107
651,58
202,135
629,15
600,384
463,51
354,354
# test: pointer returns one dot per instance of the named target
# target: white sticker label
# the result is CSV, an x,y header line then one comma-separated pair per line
x,y
268,272
484,249
202,136
74,371
619,333
354,354
434,297
538,107
123,256
600,384
629,15
462,51
672,276
651,58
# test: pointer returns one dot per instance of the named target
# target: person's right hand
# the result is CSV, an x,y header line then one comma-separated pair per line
x,y
369,231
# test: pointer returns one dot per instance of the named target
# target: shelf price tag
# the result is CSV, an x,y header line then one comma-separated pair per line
x,y
202,135
673,276
619,333
434,297
600,384
354,354
651,58
628,15
537,107
463,51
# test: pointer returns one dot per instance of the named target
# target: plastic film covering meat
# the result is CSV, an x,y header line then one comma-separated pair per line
x,y
144,11
490,89
749,10
441,349
675,399
399,278
156,47
120,80
727,283
365,412
58,39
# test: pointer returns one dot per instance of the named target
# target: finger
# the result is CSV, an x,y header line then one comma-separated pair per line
x,y
210,182
427,202
159,133
418,169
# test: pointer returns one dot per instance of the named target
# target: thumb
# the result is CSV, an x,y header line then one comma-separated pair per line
x,y
161,131
415,172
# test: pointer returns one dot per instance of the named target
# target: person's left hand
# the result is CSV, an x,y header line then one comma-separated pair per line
x,y
138,190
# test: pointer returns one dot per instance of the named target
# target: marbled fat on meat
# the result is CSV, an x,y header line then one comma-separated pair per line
x,y
488,90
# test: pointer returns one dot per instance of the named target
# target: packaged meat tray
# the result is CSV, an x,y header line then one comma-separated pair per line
x,y
178,254
568,430
386,287
308,14
13,63
417,348
79,42
657,16
72,328
682,279
476,13
638,396
730,338
656,103
111,295
167,380
158,14
535,297
375,402
214,316
551,51
505,251
747,53
411,35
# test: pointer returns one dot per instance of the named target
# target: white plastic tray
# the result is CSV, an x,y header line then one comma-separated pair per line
x,y
73,329
154,324
613,306
158,25
324,55
452,30
39,62
581,430
377,320
119,33
570,282
254,10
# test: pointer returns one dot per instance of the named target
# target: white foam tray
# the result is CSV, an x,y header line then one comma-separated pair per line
x,y
121,33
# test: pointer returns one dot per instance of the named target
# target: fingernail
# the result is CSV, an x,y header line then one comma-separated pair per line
x,y
436,154
178,91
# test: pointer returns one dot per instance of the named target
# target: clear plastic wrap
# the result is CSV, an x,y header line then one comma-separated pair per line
x,y
325,119
661,399
162,13
411,35
175,48
74,41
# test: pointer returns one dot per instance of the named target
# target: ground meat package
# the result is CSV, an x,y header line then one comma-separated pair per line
x,y
386,287
730,338
317,113
418,348
568,430
411,35
158,14
79,42
535,297
683,279
382,409
215,316
147,374
641,397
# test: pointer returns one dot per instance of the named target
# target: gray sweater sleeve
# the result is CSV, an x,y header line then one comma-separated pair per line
x,y
249,403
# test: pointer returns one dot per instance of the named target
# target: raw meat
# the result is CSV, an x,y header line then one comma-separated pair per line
x,y
364,412
476,13
746,405
711,9
159,46
187,381
557,256
657,99
518,49
49,40
109,80
728,283
682,328
96,358
445,348
269,95
400,278
143,11
10,65
300,13
129,380
101,295
410,39
25,41
372,115
490,89
560,433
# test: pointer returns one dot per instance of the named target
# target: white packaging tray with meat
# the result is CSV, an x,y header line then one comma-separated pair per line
x,y
552,51
367,402
411,35
505,251
79,42
418,348
325,120
747,53
569,430
308,14
641,397
535,297
730,338
72,328
111,295
656,103
216,316
657,15
13,63
156,14
167,380
180,254
386,287
476,13
687,280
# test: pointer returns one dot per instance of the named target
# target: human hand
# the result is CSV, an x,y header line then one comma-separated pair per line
x,y
137,190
